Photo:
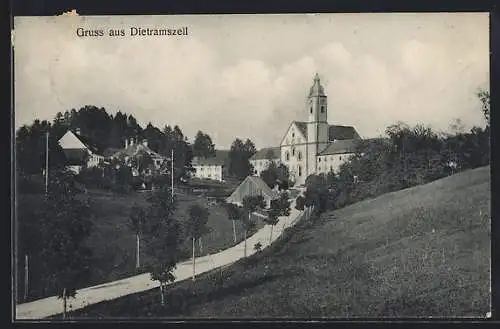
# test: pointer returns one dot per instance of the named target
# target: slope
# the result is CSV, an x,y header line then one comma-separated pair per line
x,y
419,252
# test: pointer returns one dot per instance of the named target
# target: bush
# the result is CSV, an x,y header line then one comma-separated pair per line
x,y
300,203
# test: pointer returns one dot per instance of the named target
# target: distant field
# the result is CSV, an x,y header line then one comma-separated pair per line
x,y
423,251
113,243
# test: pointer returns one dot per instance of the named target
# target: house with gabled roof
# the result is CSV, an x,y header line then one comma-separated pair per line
x,y
80,151
134,154
313,146
213,168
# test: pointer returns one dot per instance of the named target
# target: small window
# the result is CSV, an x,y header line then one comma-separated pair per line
x,y
340,157
293,134
287,156
319,159
293,152
299,155
311,110
322,109
300,171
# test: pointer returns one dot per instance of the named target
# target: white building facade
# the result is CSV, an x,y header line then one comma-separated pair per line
x,y
212,168
312,146
79,152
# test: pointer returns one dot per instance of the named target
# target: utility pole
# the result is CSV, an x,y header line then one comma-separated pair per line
x,y
172,173
46,162
26,278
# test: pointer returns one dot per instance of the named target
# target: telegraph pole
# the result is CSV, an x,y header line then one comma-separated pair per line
x,y
26,278
172,173
46,162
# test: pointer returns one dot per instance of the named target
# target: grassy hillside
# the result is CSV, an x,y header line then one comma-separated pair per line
x,y
424,251
113,243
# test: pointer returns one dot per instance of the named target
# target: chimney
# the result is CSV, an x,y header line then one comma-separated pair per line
x,y
126,142
145,142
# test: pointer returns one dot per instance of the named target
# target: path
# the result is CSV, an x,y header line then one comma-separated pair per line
x,y
52,305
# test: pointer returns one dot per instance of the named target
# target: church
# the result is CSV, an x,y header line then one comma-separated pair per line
x,y
312,146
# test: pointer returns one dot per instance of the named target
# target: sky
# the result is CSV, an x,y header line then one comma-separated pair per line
x,y
248,76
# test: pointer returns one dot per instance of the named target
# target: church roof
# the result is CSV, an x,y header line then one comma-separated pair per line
x,y
262,154
316,89
302,127
335,132
341,147
342,132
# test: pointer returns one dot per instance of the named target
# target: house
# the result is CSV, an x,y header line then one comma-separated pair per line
x,y
262,158
134,154
80,151
213,168
312,146
252,186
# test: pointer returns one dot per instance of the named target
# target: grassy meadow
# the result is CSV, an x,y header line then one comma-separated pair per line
x,y
419,252
114,244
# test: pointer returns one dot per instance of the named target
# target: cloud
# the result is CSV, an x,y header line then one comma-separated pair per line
x,y
202,82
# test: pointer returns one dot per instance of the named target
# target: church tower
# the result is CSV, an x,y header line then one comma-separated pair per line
x,y
317,123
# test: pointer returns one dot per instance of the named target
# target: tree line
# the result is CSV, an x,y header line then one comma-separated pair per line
x,y
110,132
406,156
55,238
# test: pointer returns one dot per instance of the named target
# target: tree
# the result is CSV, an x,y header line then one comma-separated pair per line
x,y
300,202
137,220
250,204
270,175
272,219
279,207
162,237
175,140
233,214
65,223
484,97
196,226
239,158
284,181
203,145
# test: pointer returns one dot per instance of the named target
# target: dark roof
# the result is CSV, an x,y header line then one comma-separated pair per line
x,y
220,159
341,147
302,127
137,149
90,144
75,157
263,153
110,151
342,132
252,186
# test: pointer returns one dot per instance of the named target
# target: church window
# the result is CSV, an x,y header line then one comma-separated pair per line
x,y
340,157
311,110
300,171
319,159
293,151
299,156
322,109
293,134
287,156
